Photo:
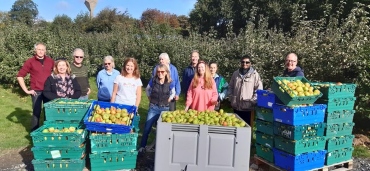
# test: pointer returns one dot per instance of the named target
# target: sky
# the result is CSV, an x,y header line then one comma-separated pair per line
x,y
48,9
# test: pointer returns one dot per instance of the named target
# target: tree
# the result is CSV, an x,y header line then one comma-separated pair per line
x,y
62,22
108,18
24,11
154,16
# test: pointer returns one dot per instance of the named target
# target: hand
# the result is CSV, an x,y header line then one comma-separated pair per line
x,y
32,92
186,108
169,99
214,102
88,91
176,98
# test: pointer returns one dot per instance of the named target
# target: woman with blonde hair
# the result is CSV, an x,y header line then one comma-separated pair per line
x,y
127,85
160,92
202,94
61,84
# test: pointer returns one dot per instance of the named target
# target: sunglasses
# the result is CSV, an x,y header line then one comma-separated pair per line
x,y
79,57
106,63
162,72
245,62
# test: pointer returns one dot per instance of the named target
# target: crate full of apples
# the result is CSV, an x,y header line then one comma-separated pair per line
x,y
111,117
295,90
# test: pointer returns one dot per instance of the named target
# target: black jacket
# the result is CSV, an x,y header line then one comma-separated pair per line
x,y
50,89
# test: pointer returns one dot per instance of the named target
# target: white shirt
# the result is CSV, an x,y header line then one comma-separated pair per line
x,y
126,93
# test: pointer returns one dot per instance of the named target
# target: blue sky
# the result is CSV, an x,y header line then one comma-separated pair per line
x,y
48,9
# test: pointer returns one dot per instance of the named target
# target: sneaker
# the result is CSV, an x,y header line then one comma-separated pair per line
x,y
150,149
142,149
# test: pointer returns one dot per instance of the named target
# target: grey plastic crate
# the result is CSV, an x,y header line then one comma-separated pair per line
x,y
201,147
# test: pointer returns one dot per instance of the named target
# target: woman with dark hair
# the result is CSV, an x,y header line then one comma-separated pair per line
x,y
61,84
160,92
202,93
127,85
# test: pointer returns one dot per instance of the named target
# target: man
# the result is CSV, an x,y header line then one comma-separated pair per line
x,y
81,73
165,60
292,70
242,89
39,67
189,71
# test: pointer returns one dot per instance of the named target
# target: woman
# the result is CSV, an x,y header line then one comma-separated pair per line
x,y
105,79
242,89
202,94
127,86
221,84
160,92
61,84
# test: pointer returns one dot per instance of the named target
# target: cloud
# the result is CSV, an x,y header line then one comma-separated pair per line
x,y
63,5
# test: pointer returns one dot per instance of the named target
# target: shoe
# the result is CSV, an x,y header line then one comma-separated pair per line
x,y
150,149
142,149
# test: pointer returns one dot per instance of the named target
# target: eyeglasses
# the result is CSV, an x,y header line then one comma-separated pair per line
x,y
245,62
292,61
106,63
162,72
79,57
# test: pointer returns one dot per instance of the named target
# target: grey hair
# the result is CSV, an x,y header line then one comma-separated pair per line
x,y
109,58
77,49
39,43
166,56
194,51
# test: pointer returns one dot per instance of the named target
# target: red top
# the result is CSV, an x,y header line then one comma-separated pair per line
x,y
200,99
38,72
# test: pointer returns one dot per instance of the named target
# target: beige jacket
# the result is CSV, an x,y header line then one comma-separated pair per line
x,y
242,90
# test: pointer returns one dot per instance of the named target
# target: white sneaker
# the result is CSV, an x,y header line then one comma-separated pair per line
x,y
142,149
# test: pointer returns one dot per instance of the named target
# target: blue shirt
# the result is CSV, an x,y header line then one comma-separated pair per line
x,y
105,82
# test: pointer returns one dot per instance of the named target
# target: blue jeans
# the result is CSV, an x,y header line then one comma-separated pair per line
x,y
153,115
86,97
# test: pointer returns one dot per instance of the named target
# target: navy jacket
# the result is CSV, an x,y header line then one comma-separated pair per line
x,y
187,76
296,72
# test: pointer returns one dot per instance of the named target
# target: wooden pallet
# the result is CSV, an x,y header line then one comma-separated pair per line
x,y
267,166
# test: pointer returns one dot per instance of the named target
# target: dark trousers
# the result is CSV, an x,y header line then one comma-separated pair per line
x,y
245,115
37,109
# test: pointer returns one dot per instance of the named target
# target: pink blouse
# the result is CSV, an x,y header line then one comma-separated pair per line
x,y
201,99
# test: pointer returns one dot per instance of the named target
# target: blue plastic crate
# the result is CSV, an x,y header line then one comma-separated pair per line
x,y
265,98
107,127
299,115
304,161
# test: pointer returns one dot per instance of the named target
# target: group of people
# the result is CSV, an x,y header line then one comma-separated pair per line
x,y
204,88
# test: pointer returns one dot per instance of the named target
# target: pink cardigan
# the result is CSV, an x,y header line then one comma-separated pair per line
x,y
201,99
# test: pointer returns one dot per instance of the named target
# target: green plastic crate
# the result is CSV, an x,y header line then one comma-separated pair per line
x,y
265,127
337,143
299,146
336,130
113,160
265,152
264,114
340,103
58,139
113,142
286,98
265,139
66,109
338,156
49,153
299,131
47,165
332,90
339,116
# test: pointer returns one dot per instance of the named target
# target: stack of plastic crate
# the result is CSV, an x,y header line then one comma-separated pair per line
x,y
299,142
60,143
264,125
112,146
339,120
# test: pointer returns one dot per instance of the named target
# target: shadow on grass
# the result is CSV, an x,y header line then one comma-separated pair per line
x,y
21,116
16,90
361,124
27,157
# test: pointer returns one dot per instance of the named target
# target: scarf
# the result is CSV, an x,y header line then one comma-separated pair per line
x,y
64,87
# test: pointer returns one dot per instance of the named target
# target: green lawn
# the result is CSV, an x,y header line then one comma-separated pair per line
x,y
16,112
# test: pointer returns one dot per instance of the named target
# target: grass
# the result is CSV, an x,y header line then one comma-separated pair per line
x,y
16,112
